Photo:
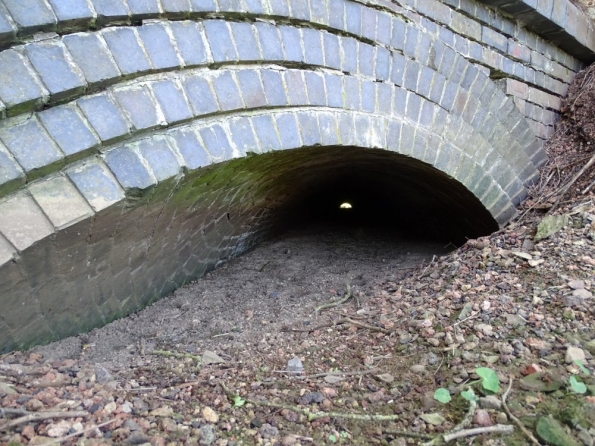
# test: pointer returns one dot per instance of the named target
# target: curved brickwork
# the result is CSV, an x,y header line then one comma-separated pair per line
x,y
140,154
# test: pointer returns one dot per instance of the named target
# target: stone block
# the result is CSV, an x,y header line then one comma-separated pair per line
x,y
171,100
519,51
368,97
201,6
412,70
93,58
139,107
31,15
332,51
22,222
313,51
29,143
251,88
220,41
334,90
351,88
315,85
127,51
176,8
158,44
270,41
20,88
273,88
327,123
144,9
383,64
292,44
349,58
413,106
11,174
72,14
308,125
397,69
8,29
346,125
266,132
60,201
296,87
200,94
244,35
158,154
300,10
191,148
254,6
242,135
7,251
288,131
366,59
69,130
106,118
494,39
216,142
128,169
353,17
110,11
337,14
97,184
190,42
384,94
227,91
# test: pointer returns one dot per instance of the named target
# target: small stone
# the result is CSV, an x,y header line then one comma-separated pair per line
x,y
434,419
515,320
110,408
522,255
552,432
137,437
482,418
312,398
427,402
6,389
448,340
385,377
268,431
34,405
574,354
501,418
590,346
581,293
541,382
549,225
209,357
486,329
207,434
164,411
434,342
418,368
490,402
58,429
209,415
576,284
102,375
168,425
289,440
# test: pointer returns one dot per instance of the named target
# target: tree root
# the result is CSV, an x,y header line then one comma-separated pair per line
x,y
518,422
333,304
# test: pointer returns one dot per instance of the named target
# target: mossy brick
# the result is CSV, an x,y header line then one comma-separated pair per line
x,y
216,142
106,118
296,87
313,51
8,29
292,43
244,35
366,59
111,11
144,9
349,60
72,14
270,41
159,46
190,148
273,88
128,169
251,88
334,90
160,157
170,98
288,130
176,8
22,222
220,41
315,86
308,125
56,70
368,97
11,174
190,42
327,123
127,51
266,131
383,61
227,91
69,130
92,57
97,184
30,144
139,107
201,96
60,201
242,135
7,251
31,15
20,88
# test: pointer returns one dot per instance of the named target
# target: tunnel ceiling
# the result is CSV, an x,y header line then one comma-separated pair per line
x,y
144,143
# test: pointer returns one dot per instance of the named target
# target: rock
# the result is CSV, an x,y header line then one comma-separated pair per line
x,y
168,425
137,437
34,405
109,408
482,418
490,402
427,402
433,342
333,379
552,432
486,329
581,293
268,431
522,255
295,365
164,411
289,440
312,398
207,434
550,225
6,389
586,438
590,346
535,262
418,368
541,382
58,429
434,419
102,375
131,425
385,377
448,340
501,418
576,284
515,320
209,357
574,354
209,415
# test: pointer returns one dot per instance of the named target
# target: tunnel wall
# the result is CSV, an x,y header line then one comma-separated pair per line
x,y
141,142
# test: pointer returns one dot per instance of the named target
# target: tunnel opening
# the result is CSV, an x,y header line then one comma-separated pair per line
x,y
346,188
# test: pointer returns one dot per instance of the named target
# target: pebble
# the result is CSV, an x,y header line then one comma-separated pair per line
x,y
102,375
573,354
209,415
501,418
434,342
268,431
576,284
490,402
207,434
418,368
482,418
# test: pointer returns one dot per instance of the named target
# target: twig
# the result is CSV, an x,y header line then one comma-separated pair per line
x,y
588,188
76,434
518,422
335,303
169,354
440,365
408,434
229,333
571,182
498,428
359,372
38,416
466,421
426,268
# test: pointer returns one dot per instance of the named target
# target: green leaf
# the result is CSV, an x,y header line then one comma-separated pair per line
x,y
576,386
238,401
580,365
442,395
489,378
332,438
469,395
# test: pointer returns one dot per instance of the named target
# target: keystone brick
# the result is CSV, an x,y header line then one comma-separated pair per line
x,y
243,33
92,57
315,84
251,88
227,91
220,41
266,132
30,145
270,41
72,14
69,130
105,116
216,142
11,174
97,184
292,43
110,11
191,148
190,42
139,107
144,9
313,52
22,222
19,88
31,15
171,100
159,46
127,50
160,157
128,169
288,130
60,201
242,135
308,124
200,95
273,88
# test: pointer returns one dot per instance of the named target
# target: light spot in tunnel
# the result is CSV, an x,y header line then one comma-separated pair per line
x,y
345,206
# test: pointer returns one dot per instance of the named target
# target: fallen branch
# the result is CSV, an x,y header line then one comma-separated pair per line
x,y
518,422
39,416
564,189
335,303
466,421
76,434
498,428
